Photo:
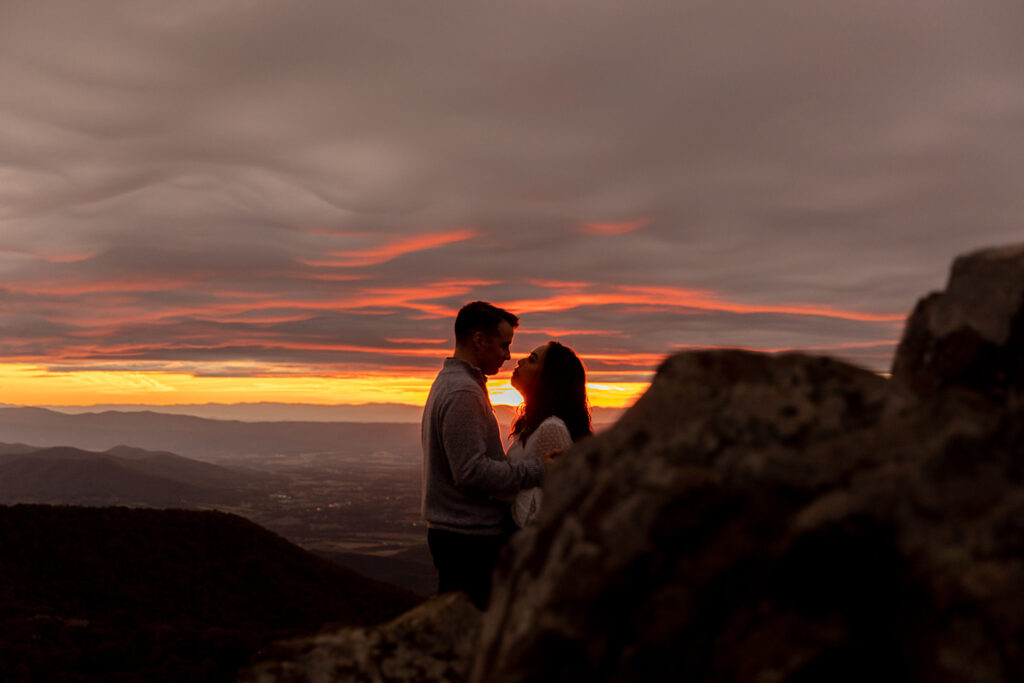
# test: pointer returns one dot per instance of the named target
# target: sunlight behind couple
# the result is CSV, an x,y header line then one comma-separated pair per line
x,y
619,395
27,384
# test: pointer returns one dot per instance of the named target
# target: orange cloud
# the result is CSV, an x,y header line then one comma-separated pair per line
x,y
63,257
70,257
252,340
386,252
336,277
416,341
312,346
118,307
113,286
689,298
845,346
615,228
567,332
676,298
630,359
560,284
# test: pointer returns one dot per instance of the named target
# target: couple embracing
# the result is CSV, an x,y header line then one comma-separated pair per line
x,y
474,493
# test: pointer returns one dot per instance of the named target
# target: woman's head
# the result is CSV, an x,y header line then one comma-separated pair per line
x,y
552,381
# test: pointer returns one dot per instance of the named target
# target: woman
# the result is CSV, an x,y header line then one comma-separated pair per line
x,y
553,384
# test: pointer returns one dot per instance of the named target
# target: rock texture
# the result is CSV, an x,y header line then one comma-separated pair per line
x,y
973,333
433,642
789,518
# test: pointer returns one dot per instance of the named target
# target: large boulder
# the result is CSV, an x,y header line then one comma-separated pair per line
x,y
758,518
972,334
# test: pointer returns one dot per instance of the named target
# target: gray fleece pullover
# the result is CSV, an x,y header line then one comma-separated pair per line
x,y
463,460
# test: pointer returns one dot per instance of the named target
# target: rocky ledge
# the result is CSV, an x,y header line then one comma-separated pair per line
x,y
765,519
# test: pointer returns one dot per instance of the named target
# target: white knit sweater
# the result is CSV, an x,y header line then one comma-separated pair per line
x,y
551,434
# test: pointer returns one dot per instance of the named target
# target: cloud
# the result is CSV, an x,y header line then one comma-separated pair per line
x,y
305,185
393,249
614,228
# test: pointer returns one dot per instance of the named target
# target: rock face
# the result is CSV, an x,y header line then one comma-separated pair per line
x,y
797,521
433,642
973,333
790,518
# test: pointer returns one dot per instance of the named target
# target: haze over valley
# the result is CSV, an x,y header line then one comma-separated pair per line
x,y
348,491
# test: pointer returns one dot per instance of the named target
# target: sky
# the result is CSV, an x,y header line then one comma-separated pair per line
x,y
239,201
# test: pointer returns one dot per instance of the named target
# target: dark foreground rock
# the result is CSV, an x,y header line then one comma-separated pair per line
x,y
798,522
433,642
788,518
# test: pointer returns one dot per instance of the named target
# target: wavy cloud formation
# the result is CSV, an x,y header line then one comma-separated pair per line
x,y
315,187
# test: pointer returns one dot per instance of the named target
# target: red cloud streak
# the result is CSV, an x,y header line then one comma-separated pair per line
x,y
684,298
386,252
615,228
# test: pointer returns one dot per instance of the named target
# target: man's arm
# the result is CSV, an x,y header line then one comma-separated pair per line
x,y
464,430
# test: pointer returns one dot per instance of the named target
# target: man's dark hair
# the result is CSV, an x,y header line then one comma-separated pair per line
x,y
480,316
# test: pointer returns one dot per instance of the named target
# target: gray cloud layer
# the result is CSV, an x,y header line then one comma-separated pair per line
x,y
169,172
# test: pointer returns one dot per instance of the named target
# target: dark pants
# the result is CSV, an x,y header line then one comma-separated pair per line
x,y
465,562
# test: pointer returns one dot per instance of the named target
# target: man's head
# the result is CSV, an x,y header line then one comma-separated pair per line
x,y
483,335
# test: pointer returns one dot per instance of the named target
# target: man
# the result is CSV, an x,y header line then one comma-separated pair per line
x,y
464,465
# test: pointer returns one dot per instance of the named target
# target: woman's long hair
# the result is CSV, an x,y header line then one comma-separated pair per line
x,y
561,390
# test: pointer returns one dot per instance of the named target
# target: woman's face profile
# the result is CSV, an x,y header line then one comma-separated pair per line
x,y
527,373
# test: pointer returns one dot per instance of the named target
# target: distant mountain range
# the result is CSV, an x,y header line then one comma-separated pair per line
x,y
299,412
135,477
119,594
120,476
209,439
267,412
203,438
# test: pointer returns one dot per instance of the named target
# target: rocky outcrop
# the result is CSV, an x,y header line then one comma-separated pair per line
x,y
798,521
433,642
790,518
972,334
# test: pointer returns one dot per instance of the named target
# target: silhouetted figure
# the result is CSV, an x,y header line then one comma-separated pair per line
x,y
464,464
553,383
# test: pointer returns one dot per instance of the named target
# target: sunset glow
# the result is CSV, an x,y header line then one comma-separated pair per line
x,y
33,385
386,252
228,204
230,344
312,345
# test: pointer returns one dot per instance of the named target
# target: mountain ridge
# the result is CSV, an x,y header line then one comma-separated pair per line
x,y
267,411
114,593
200,437
121,475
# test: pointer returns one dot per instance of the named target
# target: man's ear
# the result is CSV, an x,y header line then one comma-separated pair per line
x,y
478,340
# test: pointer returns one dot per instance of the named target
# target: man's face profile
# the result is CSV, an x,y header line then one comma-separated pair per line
x,y
495,348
